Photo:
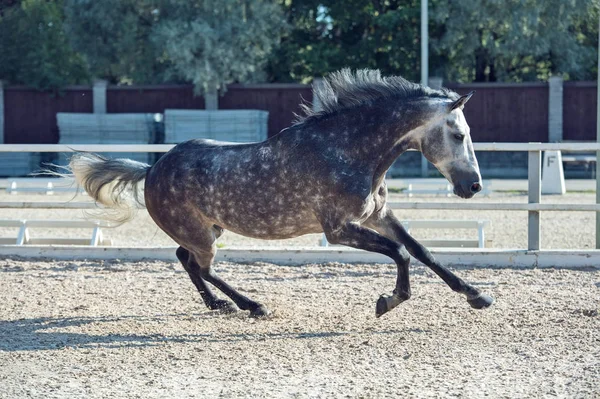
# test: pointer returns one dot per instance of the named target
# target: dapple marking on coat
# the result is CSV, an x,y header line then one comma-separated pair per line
x,y
325,173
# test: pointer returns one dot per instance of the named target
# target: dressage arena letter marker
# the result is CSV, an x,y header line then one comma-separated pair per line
x,y
553,177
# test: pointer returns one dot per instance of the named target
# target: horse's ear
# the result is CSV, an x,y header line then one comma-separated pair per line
x,y
461,101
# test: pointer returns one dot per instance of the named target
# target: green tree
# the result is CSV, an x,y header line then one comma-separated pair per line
x,y
213,44
34,48
330,34
515,40
207,43
114,36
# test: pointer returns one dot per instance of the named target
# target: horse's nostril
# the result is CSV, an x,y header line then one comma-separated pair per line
x,y
475,187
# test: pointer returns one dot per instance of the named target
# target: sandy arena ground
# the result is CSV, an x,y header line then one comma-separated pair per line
x,y
138,330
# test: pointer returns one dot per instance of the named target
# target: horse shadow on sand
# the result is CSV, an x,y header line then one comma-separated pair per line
x,y
48,333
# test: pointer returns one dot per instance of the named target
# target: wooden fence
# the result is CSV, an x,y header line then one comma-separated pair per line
x,y
579,111
497,113
500,112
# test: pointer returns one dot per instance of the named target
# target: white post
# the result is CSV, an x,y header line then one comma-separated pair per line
x,y
424,66
99,96
555,109
22,237
211,101
535,193
480,235
598,140
316,104
424,43
1,112
435,82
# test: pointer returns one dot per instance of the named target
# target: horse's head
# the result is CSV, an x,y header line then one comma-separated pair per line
x,y
446,143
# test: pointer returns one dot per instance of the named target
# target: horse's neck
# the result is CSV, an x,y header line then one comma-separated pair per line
x,y
371,136
400,130
378,135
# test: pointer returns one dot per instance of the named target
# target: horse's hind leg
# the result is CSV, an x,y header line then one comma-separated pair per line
x,y
243,302
210,300
202,255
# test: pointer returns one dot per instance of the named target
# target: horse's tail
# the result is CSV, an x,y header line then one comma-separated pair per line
x,y
115,183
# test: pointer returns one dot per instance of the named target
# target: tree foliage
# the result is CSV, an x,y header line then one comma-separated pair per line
x,y
213,44
330,34
51,43
487,40
113,35
515,40
210,44
34,48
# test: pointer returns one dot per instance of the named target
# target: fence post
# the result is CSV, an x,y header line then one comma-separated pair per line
x,y
436,82
535,193
99,96
1,112
316,104
598,141
211,101
555,109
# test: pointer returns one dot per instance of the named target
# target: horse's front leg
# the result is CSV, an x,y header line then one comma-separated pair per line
x,y
356,236
389,225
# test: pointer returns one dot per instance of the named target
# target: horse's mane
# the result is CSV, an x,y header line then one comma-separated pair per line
x,y
345,89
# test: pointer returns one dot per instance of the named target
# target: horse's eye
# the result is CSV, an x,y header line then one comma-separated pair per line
x,y
459,137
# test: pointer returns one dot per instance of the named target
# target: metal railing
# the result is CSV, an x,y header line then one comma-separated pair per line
x,y
533,207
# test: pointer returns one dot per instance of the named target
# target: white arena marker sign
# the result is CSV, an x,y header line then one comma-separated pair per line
x,y
553,176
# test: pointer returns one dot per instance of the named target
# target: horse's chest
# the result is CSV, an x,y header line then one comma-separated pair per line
x,y
374,203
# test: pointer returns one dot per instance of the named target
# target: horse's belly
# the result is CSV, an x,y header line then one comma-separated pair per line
x,y
271,227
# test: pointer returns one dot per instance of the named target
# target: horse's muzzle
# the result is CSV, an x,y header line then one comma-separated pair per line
x,y
467,189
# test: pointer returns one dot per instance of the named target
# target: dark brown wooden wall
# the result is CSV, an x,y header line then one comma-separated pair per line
x,y
281,100
506,112
30,115
579,111
151,99
497,112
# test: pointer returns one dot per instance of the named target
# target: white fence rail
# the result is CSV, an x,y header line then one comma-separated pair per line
x,y
533,207
520,147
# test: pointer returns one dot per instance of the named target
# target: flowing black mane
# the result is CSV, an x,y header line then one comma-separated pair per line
x,y
346,89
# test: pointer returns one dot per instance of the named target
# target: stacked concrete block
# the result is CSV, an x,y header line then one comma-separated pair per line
x,y
223,125
75,128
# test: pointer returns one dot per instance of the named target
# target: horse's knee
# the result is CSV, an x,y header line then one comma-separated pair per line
x,y
333,237
403,256
182,254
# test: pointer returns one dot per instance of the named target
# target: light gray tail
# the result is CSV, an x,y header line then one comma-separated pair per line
x,y
115,183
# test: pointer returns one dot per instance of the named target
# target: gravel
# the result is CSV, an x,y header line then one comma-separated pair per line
x,y
139,330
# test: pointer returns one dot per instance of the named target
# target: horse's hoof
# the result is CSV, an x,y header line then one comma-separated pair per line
x,y
381,307
481,302
260,311
223,306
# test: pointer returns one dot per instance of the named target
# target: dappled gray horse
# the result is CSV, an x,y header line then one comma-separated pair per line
x,y
323,174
